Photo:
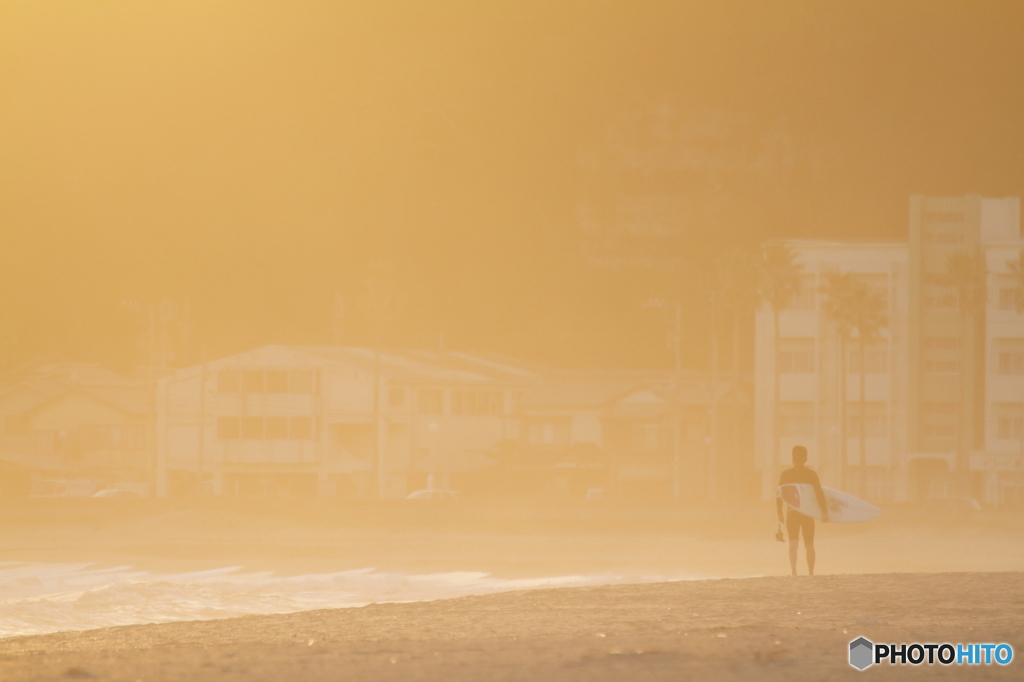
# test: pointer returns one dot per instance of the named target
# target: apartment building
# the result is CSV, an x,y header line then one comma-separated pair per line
x,y
943,394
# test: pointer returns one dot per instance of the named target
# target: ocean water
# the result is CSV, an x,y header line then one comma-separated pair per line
x,y
42,598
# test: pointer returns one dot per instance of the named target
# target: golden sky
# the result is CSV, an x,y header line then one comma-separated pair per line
x,y
253,157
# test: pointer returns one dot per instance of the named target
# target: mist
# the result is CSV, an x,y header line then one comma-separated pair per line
x,y
361,324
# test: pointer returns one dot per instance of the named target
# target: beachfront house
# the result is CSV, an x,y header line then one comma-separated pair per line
x,y
333,421
66,420
638,435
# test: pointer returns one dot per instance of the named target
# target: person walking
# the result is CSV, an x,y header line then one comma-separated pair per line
x,y
794,520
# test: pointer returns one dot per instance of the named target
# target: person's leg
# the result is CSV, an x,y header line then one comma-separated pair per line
x,y
809,545
793,528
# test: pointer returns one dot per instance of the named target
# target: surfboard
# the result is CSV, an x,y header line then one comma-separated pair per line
x,y
842,507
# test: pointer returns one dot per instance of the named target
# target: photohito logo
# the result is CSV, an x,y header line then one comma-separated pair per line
x,y
864,653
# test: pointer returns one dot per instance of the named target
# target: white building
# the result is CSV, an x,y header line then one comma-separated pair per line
x,y
810,407
944,388
303,420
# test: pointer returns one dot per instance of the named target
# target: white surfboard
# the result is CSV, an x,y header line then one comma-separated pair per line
x,y
842,507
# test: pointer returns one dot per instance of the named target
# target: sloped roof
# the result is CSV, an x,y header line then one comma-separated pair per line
x,y
425,366
53,377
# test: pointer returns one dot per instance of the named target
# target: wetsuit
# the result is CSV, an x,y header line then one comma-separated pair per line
x,y
795,521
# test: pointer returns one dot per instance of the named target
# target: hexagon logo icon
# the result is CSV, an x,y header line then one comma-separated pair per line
x,y
861,653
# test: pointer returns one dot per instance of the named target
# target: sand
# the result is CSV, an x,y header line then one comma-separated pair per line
x,y
909,576
774,628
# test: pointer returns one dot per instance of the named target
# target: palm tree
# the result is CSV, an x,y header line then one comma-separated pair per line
x,y
855,307
737,279
966,272
778,284
736,286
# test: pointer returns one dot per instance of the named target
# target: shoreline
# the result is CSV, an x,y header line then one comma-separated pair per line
x,y
729,628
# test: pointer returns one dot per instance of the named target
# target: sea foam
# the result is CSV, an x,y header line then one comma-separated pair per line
x,y
41,598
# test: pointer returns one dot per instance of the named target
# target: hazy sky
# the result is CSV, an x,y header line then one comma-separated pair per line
x,y
253,157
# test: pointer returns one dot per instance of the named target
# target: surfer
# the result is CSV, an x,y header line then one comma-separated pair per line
x,y
795,521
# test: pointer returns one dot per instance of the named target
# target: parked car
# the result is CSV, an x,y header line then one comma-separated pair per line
x,y
953,506
81,487
440,495
117,492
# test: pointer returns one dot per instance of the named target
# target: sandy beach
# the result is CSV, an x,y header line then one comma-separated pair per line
x,y
702,614
735,629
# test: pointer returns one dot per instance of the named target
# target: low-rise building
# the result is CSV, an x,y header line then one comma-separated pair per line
x,y
639,435
332,421
68,420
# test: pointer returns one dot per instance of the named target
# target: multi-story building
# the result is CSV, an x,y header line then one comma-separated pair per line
x,y
332,421
940,394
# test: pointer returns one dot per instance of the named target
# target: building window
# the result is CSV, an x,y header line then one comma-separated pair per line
x,y
941,301
943,217
252,428
876,421
252,381
1008,298
396,397
796,362
877,361
942,343
228,381
548,433
1011,363
276,427
277,381
796,426
941,366
269,381
477,402
796,420
228,427
1010,428
937,238
300,428
270,428
430,401
947,430
940,420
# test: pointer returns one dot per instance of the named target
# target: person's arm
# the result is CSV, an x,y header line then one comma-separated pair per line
x,y
820,494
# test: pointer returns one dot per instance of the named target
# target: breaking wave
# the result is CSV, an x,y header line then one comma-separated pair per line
x,y
41,598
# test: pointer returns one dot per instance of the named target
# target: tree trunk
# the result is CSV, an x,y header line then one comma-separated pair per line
x,y
736,347
843,473
862,461
962,474
775,404
378,451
